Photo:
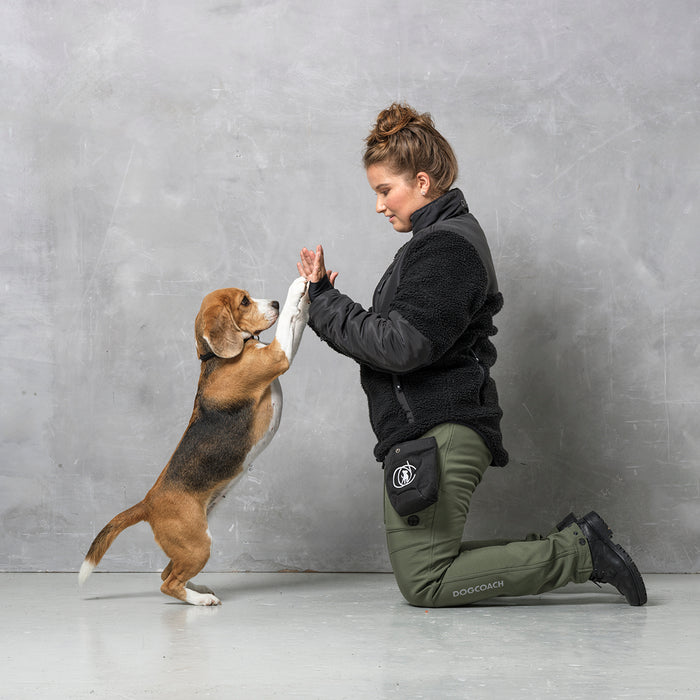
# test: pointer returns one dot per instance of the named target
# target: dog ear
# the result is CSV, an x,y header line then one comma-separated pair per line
x,y
216,331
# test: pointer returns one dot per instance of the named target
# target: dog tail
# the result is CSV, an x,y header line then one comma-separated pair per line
x,y
107,535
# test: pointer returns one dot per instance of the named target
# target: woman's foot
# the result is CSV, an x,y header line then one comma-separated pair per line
x,y
611,564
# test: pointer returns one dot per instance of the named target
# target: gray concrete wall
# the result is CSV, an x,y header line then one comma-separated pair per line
x,y
154,151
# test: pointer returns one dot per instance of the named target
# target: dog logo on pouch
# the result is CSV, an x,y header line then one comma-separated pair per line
x,y
403,475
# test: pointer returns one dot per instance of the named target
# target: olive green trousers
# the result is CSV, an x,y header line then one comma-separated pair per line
x,y
434,568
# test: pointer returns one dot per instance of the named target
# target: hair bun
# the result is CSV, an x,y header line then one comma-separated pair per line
x,y
408,143
397,117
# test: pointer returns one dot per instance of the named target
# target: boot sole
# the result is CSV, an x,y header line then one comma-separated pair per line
x,y
600,527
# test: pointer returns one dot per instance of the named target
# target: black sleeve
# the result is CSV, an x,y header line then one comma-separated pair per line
x,y
443,282
318,288
386,344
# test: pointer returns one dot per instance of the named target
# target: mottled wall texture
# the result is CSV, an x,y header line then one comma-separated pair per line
x,y
155,151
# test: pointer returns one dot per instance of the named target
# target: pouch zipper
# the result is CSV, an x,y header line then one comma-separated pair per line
x,y
401,398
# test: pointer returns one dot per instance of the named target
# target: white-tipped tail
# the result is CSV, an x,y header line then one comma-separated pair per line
x,y
85,570
106,536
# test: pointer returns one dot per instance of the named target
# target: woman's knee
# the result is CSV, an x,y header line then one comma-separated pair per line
x,y
417,586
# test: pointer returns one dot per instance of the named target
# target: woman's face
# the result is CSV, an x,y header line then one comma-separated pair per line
x,y
398,195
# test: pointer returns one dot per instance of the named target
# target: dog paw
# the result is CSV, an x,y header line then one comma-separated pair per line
x,y
209,599
297,289
303,305
195,598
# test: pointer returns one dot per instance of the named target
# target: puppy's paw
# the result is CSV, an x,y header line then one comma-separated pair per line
x,y
195,598
303,305
209,599
297,289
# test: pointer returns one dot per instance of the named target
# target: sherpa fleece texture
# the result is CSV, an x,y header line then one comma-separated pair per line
x,y
439,297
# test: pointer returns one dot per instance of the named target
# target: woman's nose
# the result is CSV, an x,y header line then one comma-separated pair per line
x,y
380,206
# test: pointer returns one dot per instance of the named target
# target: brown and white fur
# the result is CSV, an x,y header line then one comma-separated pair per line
x,y
236,413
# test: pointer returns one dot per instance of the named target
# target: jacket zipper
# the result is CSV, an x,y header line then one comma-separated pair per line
x,y
403,401
482,372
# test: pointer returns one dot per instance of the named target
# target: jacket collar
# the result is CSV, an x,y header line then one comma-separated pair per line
x,y
447,206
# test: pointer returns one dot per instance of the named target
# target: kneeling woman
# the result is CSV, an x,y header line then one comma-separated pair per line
x,y
425,357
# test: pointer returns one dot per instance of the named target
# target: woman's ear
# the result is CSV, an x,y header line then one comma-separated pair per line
x,y
423,182
216,331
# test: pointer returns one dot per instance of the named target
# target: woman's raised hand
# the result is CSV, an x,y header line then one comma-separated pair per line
x,y
312,266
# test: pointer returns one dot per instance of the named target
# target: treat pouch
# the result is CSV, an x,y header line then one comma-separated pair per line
x,y
411,475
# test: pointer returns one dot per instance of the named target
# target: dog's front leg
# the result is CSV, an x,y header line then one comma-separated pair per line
x,y
293,318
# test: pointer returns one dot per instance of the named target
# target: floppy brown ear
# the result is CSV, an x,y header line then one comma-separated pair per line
x,y
216,331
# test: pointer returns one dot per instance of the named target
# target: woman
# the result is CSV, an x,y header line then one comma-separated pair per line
x,y
425,357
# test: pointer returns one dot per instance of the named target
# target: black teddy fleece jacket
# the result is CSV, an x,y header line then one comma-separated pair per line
x,y
424,345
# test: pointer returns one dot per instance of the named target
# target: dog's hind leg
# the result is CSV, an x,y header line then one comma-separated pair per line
x,y
166,571
186,540
177,583
197,588
192,586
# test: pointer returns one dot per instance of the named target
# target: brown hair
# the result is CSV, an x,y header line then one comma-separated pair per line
x,y
408,142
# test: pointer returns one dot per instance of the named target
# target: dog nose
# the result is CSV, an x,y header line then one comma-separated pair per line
x,y
275,305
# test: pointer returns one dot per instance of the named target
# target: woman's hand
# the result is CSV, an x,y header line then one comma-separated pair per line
x,y
312,266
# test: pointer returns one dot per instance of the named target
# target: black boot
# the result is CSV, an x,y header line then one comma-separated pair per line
x,y
611,564
570,519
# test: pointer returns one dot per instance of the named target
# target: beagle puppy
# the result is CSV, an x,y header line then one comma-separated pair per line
x,y
236,413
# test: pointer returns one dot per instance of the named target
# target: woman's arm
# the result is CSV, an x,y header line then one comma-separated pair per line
x,y
432,308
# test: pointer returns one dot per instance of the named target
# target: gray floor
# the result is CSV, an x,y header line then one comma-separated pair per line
x,y
340,636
